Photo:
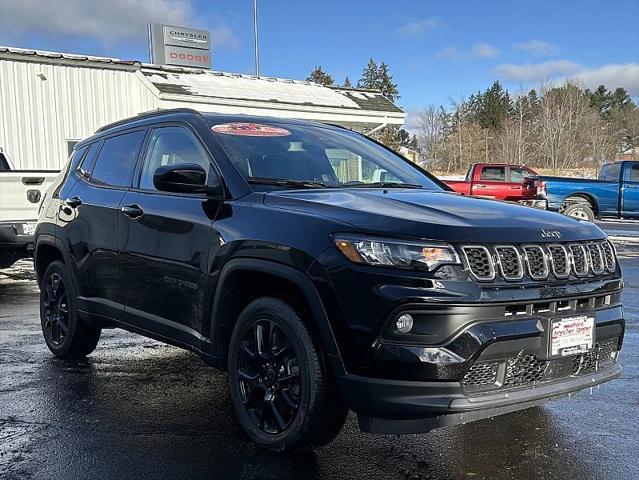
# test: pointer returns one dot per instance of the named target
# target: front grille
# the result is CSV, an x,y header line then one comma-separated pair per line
x,y
481,375
596,258
559,261
480,262
536,262
539,261
579,259
609,256
527,370
509,262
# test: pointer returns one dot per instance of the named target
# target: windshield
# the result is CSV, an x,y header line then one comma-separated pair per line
x,y
301,156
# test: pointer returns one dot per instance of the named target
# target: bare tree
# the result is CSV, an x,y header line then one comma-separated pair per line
x,y
431,132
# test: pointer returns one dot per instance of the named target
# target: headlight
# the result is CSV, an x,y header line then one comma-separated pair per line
x,y
396,253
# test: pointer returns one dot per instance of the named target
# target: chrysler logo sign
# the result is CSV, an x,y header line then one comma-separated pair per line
x,y
188,47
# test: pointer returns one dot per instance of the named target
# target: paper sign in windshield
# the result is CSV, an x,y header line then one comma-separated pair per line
x,y
250,130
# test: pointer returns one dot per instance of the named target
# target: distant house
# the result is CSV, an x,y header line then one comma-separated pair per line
x,y
412,155
630,154
52,100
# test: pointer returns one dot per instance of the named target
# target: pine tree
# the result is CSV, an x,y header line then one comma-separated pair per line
x,y
347,83
320,77
385,82
370,76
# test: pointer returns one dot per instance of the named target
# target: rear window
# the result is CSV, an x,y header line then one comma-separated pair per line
x,y
610,173
494,174
116,160
307,153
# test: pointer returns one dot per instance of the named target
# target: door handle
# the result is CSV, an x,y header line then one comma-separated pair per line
x,y
480,186
516,187
74,202
132,211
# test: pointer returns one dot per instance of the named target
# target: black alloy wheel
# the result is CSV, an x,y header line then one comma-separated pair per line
x,y
269,377
56,309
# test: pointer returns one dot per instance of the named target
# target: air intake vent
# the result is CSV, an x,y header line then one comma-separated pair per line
x,y
579,259
559,261
536,261
480,262
509,262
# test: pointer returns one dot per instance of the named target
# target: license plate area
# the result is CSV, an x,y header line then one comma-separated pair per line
x,y
571,336
27,228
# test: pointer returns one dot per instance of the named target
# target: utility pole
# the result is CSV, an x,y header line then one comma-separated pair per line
x,y
257,54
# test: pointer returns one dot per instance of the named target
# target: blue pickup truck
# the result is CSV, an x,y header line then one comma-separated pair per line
x,y
614,194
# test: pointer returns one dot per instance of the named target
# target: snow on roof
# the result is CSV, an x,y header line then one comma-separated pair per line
x,y
213,84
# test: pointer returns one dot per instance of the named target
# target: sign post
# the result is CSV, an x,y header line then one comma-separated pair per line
x,y
186,47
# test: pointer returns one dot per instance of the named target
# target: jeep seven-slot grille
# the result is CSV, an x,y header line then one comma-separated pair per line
x,y
525,370
539,261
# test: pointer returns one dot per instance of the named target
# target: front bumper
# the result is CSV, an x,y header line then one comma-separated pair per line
x,y
507,368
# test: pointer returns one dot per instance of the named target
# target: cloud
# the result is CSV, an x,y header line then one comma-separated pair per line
x,y
483,50
536,72
109,22
416,28
477,51
537,47
611,75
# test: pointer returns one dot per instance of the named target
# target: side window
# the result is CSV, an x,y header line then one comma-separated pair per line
x,y
84,166
171,145
610,173
116,160
493,174
634,173
517,174
4,165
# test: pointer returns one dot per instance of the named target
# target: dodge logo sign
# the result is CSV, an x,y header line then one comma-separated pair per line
x,y
551,234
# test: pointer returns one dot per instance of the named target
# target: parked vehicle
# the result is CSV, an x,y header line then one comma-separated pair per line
x,y
265,246
497,180
614,194
21,192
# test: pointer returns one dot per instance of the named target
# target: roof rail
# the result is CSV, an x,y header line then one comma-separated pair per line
x,y
147,114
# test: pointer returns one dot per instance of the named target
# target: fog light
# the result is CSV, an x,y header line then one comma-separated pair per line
x,y
404,323
439,355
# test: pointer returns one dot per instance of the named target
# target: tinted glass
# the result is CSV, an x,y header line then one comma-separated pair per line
x,y
634,173
610,173
168,146
85,166
495,174
306,153
117,159
517,174
4,165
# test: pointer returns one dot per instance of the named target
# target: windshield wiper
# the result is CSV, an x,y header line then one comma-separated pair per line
x,y
384,185
286,182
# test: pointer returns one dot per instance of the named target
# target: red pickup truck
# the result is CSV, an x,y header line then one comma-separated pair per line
x,y
499,181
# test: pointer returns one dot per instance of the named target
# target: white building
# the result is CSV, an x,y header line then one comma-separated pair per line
x,y
49,101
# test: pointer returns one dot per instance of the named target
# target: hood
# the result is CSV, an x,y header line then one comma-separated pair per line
x,y
435,215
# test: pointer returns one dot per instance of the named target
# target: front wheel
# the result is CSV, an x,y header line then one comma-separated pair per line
x,y
580,211
64,333
282,391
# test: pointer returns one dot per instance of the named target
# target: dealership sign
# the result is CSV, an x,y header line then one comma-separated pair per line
x,y
187,47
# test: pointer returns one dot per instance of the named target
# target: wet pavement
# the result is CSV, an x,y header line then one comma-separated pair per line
x,y
139,409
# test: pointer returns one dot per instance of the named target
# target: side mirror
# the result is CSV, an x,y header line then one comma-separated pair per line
x,y
180,178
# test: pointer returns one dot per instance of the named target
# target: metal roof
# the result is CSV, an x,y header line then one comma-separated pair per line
x,y
192,83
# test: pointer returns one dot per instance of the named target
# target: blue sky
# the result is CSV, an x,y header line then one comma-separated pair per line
x,y
437,51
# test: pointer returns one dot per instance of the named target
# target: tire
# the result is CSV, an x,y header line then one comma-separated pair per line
x,y
64,333
580,211
286,368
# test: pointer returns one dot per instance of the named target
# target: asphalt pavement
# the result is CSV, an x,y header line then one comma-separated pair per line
x,y
137,409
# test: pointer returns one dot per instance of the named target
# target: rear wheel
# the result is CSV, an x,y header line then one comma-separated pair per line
x,y
66,336
282,391
580,211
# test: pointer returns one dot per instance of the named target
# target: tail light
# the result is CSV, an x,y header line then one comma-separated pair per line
x,y
541,189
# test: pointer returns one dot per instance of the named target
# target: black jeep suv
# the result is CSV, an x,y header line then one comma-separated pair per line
x,y
324,272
